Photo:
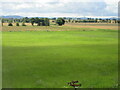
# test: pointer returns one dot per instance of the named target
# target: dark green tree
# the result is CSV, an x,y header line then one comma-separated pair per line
x,y
42,21
17,24
26,20
46,21
37,20
10,24
60,21
69,20
32,20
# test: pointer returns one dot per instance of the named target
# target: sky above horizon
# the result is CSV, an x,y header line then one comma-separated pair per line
x,y
60,8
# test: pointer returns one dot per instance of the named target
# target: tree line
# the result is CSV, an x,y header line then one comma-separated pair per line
x,y
91,20
33,21
59,21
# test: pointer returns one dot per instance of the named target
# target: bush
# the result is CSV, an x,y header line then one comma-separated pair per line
x,y
10,24
23,24
17,24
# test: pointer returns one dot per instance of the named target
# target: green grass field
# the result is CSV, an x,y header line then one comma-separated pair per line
x,y
41,59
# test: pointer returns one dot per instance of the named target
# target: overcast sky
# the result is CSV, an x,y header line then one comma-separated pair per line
x,y
60,8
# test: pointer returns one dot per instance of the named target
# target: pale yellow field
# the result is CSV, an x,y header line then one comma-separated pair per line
x,y
94,25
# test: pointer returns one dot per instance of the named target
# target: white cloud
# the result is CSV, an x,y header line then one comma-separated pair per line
x,y
44,1
112,6
22,6
60,7
111,1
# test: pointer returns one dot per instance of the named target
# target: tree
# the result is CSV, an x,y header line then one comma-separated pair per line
x,y
23,24
2,21
96,19
32,20
69,20
42,21
37,20
17,24
10,24
26,20
60,21
46,22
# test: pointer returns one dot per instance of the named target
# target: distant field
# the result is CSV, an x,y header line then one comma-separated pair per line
x,y
49,57
111,26
95,25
